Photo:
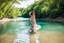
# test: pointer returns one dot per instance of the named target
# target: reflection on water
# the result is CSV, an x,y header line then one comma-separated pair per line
x,y
34,38
26,37
18,32
22,37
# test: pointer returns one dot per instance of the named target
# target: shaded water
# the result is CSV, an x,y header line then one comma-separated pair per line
x,y
17,32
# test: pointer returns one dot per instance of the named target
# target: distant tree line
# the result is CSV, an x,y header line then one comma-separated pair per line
x,y
45,9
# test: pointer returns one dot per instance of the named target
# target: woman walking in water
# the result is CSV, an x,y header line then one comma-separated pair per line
x,y
34,27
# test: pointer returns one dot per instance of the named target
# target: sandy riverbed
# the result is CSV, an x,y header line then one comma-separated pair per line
x,y
47,37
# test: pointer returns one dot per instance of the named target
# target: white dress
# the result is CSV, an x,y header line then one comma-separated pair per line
x,y
35,26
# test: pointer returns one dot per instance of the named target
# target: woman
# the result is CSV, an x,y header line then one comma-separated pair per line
x,y
33,27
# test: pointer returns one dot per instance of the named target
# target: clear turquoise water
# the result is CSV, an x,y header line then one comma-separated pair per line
x,y
12,26
20,29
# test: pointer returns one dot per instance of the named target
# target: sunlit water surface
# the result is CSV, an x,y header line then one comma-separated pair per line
x,y
18,32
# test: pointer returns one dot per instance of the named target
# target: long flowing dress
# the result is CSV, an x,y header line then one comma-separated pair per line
x,y
34,26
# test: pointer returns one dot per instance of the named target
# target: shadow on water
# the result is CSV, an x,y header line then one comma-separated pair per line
x,y
17,32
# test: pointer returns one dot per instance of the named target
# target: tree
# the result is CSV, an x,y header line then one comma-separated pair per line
x,y
6,8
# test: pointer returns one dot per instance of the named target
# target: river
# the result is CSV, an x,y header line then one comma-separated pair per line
x,y
18,32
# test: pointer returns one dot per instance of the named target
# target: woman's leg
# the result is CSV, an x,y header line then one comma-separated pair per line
x,y
32,29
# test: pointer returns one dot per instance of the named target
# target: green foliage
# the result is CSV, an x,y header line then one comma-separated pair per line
x,y
13,13
46,9
7,10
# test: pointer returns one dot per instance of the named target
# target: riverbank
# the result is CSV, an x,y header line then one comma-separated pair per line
x,y
19,18
4,20
57,19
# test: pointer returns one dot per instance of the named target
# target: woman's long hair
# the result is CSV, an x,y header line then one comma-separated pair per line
x,y
32,13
